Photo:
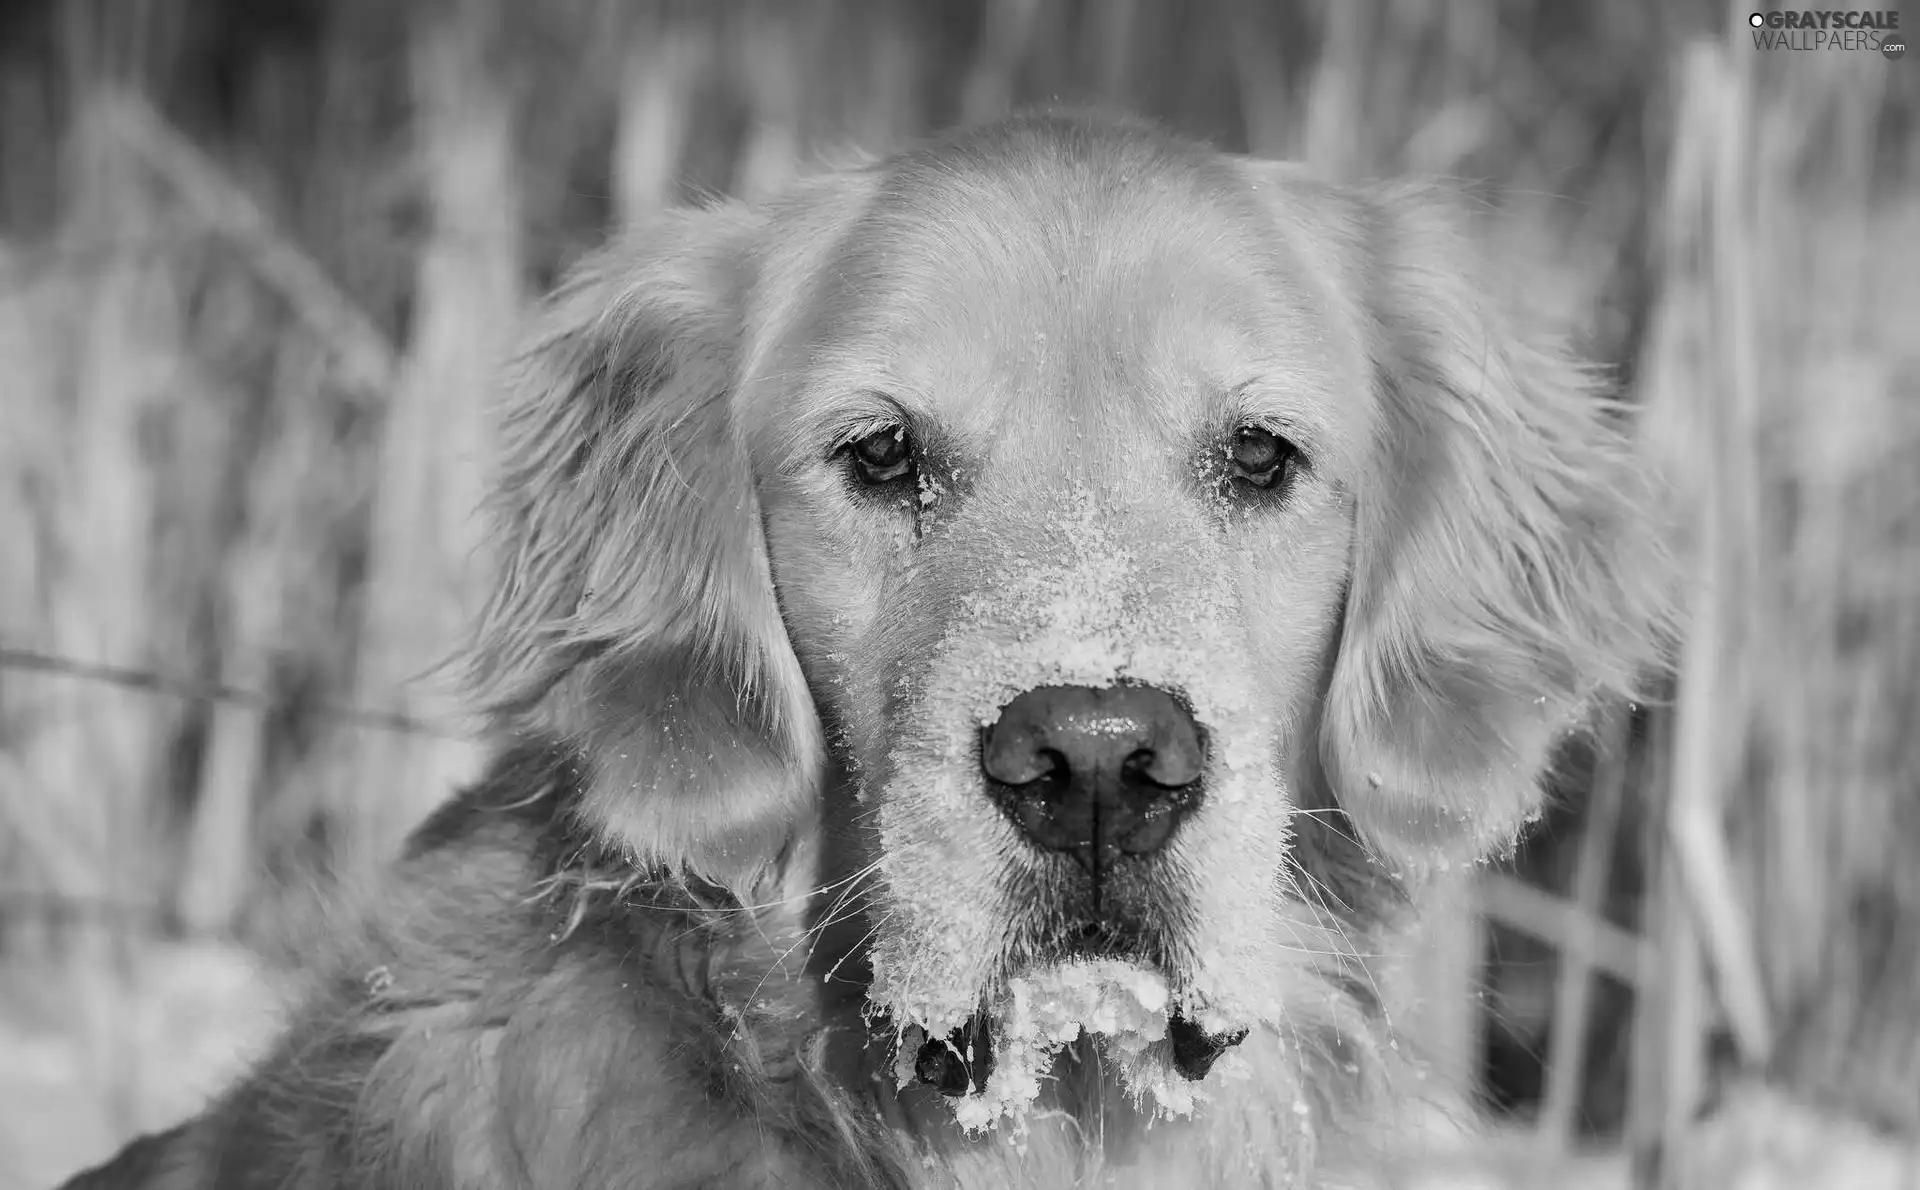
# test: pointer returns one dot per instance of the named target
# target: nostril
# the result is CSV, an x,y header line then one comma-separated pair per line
x,y
1054,765
1013,752
1144,768
1177,756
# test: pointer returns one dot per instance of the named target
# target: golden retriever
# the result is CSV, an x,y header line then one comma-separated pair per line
x,y
992,650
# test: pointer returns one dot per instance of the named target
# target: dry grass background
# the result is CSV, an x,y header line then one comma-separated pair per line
x,y
255,265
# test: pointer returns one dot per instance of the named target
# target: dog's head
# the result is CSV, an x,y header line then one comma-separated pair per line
x,y
1096,526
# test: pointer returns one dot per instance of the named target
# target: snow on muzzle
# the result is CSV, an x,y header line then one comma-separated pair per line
x,y
1122,615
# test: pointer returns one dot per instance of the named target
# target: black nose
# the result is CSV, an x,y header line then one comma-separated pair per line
x,y
1097,773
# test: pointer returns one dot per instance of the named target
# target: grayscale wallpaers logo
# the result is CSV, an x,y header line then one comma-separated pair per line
x,y
1829,29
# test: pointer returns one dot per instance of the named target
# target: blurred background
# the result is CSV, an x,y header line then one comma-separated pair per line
x,y
258,261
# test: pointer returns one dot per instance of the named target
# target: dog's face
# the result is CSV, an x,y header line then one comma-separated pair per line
x,y
1091,509
1057,477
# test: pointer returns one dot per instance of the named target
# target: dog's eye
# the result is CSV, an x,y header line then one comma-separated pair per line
x,y
1261,457
882,456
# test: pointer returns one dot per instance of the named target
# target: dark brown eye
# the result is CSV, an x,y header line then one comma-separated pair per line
x,y
882,456
1260,457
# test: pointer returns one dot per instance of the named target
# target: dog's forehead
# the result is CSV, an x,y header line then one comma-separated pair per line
x,y
1069,270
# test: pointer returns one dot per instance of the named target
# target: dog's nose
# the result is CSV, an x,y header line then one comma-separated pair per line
x,y
1097,773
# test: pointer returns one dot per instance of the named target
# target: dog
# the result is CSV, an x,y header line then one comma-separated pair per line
x,y
991,653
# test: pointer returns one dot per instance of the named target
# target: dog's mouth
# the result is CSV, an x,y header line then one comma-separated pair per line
x,y
961,1063
1122,937
1124,1017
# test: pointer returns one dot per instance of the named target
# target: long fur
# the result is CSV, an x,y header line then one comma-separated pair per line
x,y
734,845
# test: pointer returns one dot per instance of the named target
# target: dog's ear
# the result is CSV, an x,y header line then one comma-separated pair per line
x,y
1509,560
633,615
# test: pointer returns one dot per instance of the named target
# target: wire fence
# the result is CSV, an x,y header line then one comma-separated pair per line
x,y
127,678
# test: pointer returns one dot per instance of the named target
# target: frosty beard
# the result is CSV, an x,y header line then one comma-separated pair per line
x,y
990,1067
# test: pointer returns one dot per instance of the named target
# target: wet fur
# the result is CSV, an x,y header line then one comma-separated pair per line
x,y
638,952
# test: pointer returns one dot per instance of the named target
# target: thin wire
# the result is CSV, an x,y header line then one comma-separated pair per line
x,y
33,661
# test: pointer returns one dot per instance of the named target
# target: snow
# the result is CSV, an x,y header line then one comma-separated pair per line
x,y
1042,1011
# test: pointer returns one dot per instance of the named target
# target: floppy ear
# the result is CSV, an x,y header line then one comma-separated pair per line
x,y
633,614
1509,565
